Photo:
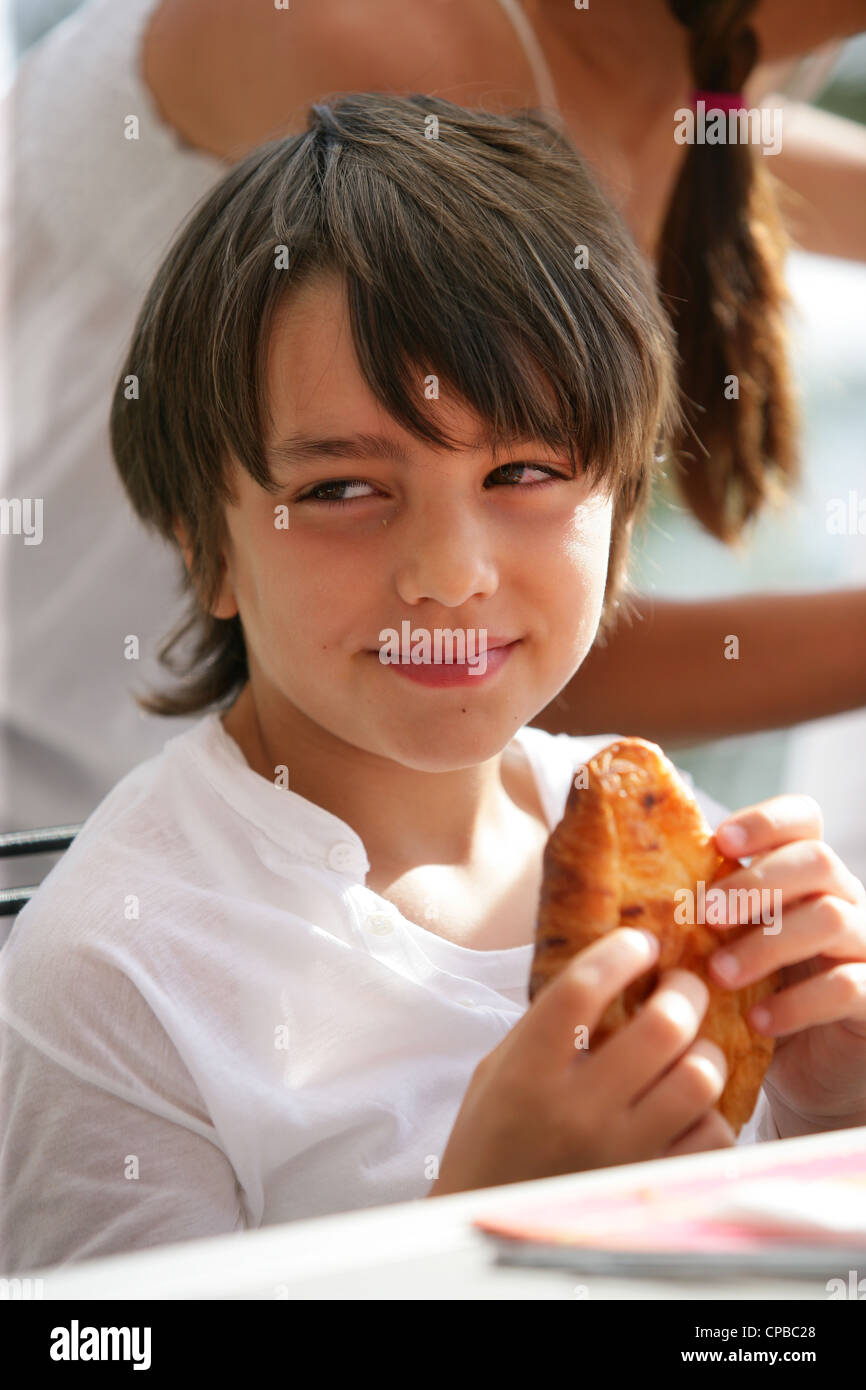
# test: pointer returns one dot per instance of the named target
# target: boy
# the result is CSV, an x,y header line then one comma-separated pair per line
x,y
405,367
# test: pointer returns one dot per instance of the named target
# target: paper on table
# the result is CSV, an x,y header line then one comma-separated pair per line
x,y
790,1206
820,1201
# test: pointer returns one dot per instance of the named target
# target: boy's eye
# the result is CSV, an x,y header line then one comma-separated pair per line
x,y
515,473
510,474
326,492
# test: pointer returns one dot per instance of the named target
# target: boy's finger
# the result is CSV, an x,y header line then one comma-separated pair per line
x,y
780,878
835,996
770,824
825,926
565,1012
634,1058
711,1132
682,1095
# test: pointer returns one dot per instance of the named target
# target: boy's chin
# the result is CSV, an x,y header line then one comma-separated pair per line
x,y
450,745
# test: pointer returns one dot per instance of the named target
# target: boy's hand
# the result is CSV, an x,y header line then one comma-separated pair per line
x,y
818,1016
545,1101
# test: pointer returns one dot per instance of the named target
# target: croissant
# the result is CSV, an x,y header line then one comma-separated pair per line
x,y
632,835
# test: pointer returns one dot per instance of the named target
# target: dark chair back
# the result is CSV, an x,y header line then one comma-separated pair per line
x,y
17,843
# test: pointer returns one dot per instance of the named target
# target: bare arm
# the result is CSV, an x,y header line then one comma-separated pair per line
x,y
822,164
791,28
666,677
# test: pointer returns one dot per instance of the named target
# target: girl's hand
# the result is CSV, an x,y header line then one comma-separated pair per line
x,y
818,1016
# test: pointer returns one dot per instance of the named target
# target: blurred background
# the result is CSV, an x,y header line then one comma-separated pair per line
x,y
792,550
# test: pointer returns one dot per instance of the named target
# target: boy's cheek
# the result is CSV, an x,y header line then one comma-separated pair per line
x,y
584,559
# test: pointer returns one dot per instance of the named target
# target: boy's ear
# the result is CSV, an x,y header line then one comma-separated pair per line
x,y
225,604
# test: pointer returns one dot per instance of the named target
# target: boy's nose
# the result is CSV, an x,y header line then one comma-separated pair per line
x,y
447,559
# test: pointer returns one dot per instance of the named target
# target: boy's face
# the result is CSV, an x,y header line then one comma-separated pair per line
x,y
423,541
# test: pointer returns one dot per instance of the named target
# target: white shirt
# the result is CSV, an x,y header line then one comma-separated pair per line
x,y
88,217
212,1024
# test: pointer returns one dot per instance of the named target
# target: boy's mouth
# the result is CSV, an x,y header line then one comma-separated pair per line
x,y
480,663
492,643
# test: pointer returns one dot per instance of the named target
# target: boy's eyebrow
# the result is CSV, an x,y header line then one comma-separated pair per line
x,y
300,448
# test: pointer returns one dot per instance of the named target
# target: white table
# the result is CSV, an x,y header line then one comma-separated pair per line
x,y
424,1249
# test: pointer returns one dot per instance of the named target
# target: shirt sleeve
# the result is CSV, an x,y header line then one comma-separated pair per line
x,y
85,1172
108,1141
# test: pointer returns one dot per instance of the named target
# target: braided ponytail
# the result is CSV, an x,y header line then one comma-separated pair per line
x,y
720,274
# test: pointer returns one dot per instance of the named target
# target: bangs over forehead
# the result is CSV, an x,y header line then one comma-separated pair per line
x,y
514,403
515,287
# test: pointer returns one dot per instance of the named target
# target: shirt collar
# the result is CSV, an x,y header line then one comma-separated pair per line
x,y
310,832
301,827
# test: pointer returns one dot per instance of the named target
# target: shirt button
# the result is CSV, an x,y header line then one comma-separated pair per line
x,y
380,924
343,857
467,1003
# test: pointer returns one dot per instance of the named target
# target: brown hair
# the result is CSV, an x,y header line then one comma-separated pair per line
x,y
458,254
720,272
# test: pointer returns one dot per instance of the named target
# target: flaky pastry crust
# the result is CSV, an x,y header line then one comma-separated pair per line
x,y
628,841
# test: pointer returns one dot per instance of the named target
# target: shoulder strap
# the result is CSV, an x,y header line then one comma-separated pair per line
x,y
534,55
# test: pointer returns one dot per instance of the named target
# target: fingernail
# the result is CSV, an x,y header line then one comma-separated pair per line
x,y
760,1017
735,838
727,966
652,939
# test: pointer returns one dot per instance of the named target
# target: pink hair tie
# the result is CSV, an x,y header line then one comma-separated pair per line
x,y
719,101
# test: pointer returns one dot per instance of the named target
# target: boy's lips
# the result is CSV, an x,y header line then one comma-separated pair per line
x,y
447,673
491,644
